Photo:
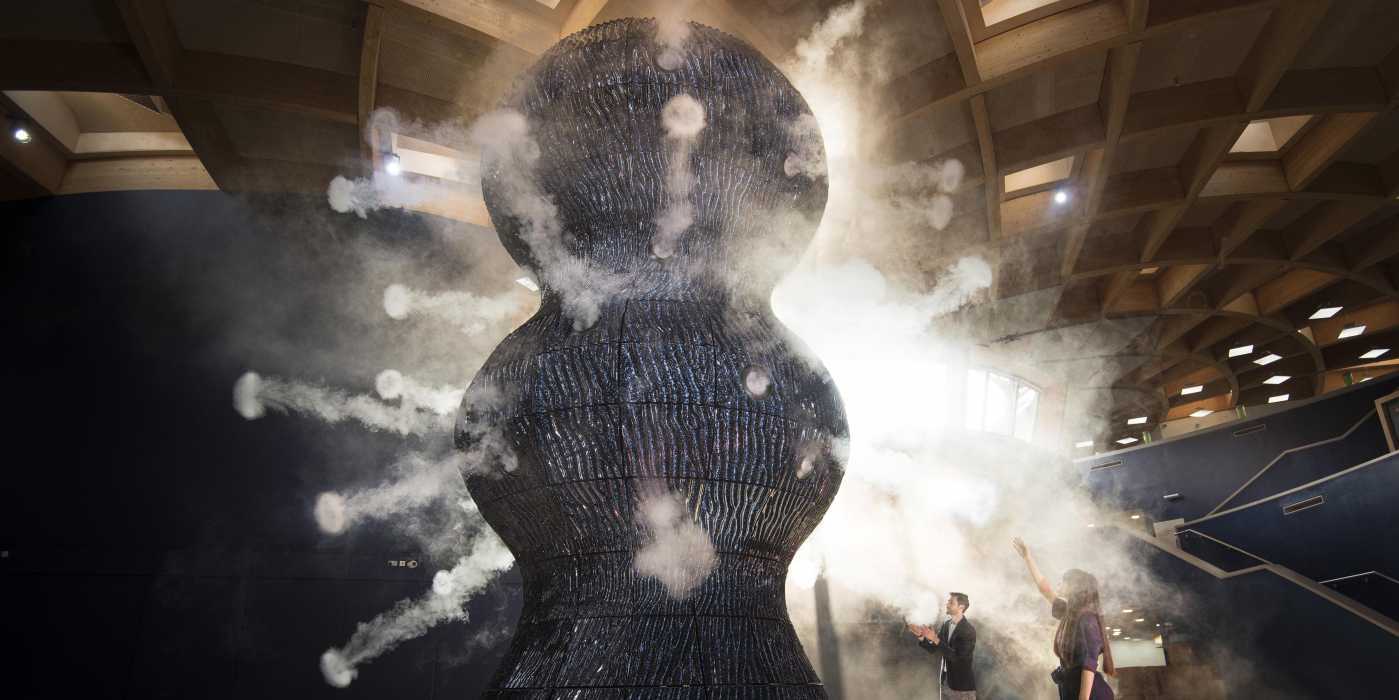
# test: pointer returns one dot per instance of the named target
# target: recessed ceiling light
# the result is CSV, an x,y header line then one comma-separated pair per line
x,y
1268,359
527,283
22,134
1140,619
1139,420
1240,350
1126,441
1351,331
1325,312
1127,611
1200,413
1192,390
1279,398
393,165
1374,353
1136,517
1083,443
1277,379
1061,197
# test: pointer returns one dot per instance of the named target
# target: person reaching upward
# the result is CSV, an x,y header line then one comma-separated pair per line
x,y
1079,639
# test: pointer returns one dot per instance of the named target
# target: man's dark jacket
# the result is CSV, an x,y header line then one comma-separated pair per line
x,y
958,652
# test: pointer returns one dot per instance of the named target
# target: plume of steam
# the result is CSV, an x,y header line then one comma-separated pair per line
x,y
419,481
254,394
672,31
413,618
442,400
844,22
471,313
808,160
381,191
678,553
582,288
683,119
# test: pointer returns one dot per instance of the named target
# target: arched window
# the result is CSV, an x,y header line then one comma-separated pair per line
x,y
1001,403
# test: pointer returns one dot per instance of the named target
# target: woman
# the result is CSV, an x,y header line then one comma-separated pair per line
x,y
1080,638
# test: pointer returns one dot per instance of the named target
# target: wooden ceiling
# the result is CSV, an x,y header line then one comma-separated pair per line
x,y
1172,240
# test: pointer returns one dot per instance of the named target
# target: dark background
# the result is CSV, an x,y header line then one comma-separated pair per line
x,y
155,543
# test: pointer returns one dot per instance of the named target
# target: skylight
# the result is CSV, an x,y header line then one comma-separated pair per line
x,y
1192,390
1279,398
1276,379
1325,312
1373,354
1268,359
1351,331
1126,440
1139,420
1240,350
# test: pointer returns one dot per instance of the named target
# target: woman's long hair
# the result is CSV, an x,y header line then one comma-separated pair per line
x,y
1081,594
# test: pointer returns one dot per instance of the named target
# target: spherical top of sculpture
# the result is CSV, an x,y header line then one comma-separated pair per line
x,y
660,155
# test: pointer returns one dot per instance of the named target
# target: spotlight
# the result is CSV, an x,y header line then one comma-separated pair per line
x,y
1137,517
22,134
1126,440
1061,197
392,165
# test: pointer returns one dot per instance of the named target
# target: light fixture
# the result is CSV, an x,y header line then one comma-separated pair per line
x,y
1083,443
1240,350
1090,525
21,134
1325,312
1279,398
1374,353
1351,331
1277,379
1192,390
1061,197
1139,420
1127,611
1201,413
1126,440
393,165
1137,517
1268,359
1140,619
527,283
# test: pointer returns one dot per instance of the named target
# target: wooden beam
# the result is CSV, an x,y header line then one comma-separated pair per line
x,y
1092,27
1275,295
1236,225
131,143
370,42
954,18
581,16
1320,146
72,65
1323,223
992,183
1173,283
158,173
524,30
153,35
1286,32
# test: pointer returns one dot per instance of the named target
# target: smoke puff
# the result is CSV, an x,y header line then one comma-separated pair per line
x,y
679,554
330,513
683,117
396,301
389,384
245,396
337,671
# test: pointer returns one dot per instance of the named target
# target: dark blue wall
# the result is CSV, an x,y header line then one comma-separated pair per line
x,y
1354,531
1275,639
158,545
1206,467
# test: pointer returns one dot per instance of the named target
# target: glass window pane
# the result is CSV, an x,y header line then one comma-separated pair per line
x,y
1000,403
976,395
1027,403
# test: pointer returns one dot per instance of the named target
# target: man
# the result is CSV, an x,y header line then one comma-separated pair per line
x,y
956,639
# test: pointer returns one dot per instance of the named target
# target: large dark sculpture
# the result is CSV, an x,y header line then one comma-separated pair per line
x,y
684,384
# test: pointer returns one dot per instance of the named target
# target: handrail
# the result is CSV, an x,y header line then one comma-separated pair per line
x,y
1288,451
1344,602
1295,489
1371,572
1218,541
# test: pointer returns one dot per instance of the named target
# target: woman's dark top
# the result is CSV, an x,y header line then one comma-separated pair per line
x,y
1088,646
